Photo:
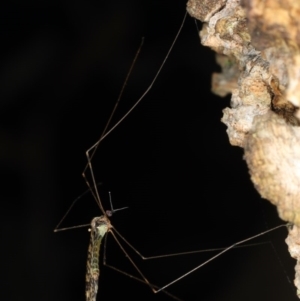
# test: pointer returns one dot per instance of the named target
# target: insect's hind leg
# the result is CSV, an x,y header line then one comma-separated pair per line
x,y
143,279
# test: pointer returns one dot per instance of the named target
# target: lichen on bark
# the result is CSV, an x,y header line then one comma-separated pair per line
x,y
257,45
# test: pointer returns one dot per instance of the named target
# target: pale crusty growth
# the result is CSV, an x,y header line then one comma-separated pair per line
x,y
203,10
293,242
224,83
247,70
257,44
273,157
275,30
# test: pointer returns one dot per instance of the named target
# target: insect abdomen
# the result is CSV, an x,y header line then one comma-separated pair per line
x,y
99,226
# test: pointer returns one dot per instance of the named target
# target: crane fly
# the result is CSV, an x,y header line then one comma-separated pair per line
x,y
100,226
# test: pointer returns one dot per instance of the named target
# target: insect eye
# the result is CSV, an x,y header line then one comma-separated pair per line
x,y
108,213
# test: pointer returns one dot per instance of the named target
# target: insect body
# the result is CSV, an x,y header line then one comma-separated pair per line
x,y
99,227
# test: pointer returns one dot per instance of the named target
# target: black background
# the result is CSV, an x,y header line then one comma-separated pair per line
x,y
63,65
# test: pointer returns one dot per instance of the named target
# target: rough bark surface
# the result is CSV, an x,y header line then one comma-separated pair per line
x,y
257,45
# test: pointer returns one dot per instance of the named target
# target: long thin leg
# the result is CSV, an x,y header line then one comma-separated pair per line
x,y
144,280
187,252
155,288
91,151
104,133
220,253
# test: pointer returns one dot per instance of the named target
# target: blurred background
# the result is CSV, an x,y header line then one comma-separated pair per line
x,y
63,65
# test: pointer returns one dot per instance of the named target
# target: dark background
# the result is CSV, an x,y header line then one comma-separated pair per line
x,y
63,65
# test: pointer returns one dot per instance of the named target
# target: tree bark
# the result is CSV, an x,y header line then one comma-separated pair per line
x,y
257,46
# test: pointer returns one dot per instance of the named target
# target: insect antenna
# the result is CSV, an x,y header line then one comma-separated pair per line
x,y
112,211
